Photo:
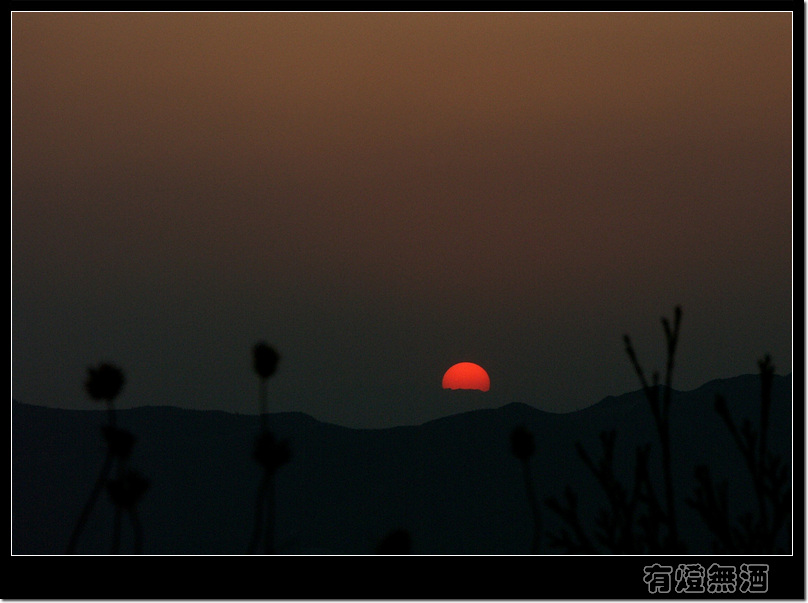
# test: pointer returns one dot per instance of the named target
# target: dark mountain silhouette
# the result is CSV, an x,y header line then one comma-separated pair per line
x,y
449,486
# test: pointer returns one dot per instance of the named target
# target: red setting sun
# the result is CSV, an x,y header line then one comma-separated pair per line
x,y
466,375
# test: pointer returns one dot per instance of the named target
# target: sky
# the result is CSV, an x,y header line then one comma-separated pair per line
x,y
381,195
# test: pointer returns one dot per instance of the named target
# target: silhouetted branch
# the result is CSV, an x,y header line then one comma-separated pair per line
x,y
576,541
661,413
103,384
523,447
100,481
125,491
712,504
638,507
265,363
616,521
769,475
268,453
651,522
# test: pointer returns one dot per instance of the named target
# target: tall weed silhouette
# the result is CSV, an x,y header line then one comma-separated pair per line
x,y
770,478
639,516
268,452
523,447
127,486
638,520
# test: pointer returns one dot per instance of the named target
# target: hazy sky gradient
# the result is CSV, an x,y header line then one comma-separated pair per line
x,y
381,195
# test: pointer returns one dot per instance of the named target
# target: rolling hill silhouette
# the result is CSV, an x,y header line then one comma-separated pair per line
x,y
451,484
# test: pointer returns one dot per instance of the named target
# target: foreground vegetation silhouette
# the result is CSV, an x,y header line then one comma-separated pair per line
x,y
126,486
770,478
637,519
641,518
523,447
268,452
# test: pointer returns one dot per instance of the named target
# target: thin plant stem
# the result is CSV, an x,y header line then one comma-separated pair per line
x,y
671,339
259,514
88,506
269,535
534,507
766,373
661,413
262,397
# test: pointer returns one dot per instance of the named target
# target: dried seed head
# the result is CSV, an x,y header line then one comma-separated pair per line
x,y
104,382
265,360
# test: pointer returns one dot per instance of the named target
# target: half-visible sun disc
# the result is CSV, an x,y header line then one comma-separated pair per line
x,y
466,375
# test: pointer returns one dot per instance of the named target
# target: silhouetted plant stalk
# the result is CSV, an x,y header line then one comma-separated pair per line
x,y
573,538
639,509
616,522
640,523
661,413
103,384
523,447
770,480
268,453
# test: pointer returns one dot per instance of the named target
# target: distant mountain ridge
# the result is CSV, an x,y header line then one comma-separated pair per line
x,y
452,482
